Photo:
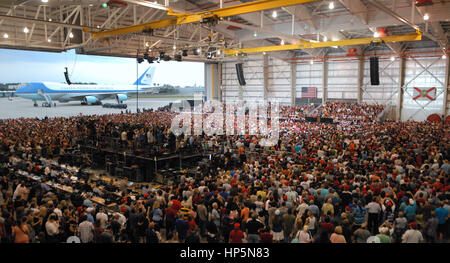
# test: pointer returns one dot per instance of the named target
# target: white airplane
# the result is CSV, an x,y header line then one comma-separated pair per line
x,y
86,93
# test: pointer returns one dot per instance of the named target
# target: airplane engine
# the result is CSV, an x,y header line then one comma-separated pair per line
x,y
121,98
91,100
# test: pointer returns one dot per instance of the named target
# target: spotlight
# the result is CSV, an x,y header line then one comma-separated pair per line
x,y
264,53
185,53
49,40
25,30
311,62
218,52
331,5
174,47
444,56
274,14
104,5
5,35
70,35
325,39
50,20
140,60
255,34
426,17
392,58
147,44
376,34
196,51
44,1
282,42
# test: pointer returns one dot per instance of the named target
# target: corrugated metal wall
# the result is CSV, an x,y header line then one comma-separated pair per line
x,y
387,91
343,81
432,75
253,73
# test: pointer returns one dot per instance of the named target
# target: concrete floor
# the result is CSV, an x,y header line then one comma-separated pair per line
x,y
19,107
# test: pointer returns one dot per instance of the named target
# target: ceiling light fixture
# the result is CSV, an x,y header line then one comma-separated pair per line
x,y
274,14
331,5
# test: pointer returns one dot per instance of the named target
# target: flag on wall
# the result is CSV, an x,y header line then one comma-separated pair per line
x,y
424,93
309,92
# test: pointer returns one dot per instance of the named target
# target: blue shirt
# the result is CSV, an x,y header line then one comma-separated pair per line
x,y
87,203
441,214
410,210
90,218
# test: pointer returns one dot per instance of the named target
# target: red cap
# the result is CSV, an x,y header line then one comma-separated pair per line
x,y
237,225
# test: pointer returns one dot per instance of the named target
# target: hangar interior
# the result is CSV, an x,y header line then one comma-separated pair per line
x,y
283,45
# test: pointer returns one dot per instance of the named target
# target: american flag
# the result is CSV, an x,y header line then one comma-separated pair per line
x,y
309,92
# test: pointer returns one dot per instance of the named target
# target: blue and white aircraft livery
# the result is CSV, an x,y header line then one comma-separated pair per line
x,y
86,93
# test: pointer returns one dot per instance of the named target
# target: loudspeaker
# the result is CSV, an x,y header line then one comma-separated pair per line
x,y
374,75
240,74
66,74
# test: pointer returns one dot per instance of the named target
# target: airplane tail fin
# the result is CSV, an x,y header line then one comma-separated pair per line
x,y
147,77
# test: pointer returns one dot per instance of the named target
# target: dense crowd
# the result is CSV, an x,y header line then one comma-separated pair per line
x,y
357,180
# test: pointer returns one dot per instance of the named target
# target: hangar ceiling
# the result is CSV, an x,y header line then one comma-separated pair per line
x,y
60,25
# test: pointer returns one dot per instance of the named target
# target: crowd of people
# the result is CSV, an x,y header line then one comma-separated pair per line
x,y
357,180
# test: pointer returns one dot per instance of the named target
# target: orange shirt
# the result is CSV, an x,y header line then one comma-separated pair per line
x,y
21,234
245,214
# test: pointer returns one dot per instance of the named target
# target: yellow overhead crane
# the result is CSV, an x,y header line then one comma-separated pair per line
x,y
179,19
347,42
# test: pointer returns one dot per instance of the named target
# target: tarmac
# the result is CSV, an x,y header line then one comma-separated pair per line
x,y
23,108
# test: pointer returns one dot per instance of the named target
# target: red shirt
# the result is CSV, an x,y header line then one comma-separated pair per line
x,y
236,236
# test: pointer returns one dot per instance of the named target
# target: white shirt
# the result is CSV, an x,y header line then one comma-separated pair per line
x,y
58,212
102,217
412,236
373,207
86,230
52,228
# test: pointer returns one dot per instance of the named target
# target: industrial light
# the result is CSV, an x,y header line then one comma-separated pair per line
x,y
392,58
25,30
255,34
274,14
311,62
91,5
44,1
376,34
331,5
325,39
426,17
49,40
146,44
264,52
50,20
199,50
70,35
218,52
174,46
98,26
444,56
282,42
5,35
